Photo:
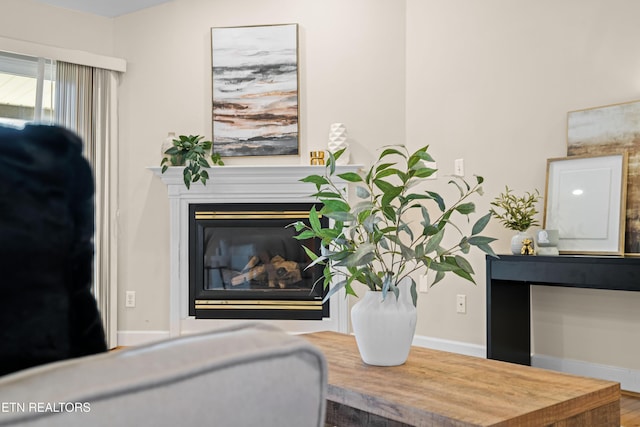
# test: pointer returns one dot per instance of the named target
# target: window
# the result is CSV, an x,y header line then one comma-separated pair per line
x,y
27,89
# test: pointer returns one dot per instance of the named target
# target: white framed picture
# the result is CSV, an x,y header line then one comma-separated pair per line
x,y
585,201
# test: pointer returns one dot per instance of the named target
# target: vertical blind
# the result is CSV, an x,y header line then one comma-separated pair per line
x,y
86,102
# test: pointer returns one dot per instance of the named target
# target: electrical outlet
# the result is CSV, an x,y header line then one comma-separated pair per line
x,y
423,286
458,167
461,304
130,299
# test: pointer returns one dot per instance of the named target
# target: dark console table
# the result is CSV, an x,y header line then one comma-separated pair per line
x,y
510,277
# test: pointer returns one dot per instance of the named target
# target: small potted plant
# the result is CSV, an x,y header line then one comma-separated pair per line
x,y
517,213
390,232
191,151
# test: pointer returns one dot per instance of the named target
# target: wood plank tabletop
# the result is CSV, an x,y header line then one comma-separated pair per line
x,y
440,388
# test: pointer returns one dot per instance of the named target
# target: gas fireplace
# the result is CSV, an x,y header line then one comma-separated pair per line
x,y
233,198
244,263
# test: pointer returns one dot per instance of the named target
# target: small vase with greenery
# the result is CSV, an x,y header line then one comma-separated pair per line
x,y
388,233
517,213
191,151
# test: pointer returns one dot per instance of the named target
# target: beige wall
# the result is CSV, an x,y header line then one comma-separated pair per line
x,y
488,81
351,70
38,23
491,82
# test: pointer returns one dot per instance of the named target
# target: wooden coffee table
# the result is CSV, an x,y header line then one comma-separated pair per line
x,y
436,388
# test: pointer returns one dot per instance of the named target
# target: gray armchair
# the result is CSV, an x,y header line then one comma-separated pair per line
x,y
252,375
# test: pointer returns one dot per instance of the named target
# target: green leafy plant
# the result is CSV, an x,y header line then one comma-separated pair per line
x,y
374,241
191,151
516,212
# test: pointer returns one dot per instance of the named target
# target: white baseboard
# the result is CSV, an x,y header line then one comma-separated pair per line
x,y
133,338
629,379
450,346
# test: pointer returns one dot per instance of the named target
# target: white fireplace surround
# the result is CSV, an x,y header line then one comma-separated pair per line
x,y
236,184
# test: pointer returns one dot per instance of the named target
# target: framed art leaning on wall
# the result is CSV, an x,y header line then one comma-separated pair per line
x,y
255,90
585,201
612,129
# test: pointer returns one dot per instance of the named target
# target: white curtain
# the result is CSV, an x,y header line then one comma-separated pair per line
x,y
86,102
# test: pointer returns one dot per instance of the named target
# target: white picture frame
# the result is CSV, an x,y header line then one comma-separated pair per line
x,y
585,200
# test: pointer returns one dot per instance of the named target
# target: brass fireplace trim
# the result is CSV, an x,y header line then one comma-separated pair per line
x,y
251,215
257,305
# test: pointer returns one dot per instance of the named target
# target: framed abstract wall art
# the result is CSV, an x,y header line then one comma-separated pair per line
x,y
585,201
255,90
608,130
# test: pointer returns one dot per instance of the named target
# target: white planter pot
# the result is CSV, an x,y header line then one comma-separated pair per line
x,y
516,242
384,329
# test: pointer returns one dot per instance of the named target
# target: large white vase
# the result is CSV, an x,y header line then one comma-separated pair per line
x,y
384,329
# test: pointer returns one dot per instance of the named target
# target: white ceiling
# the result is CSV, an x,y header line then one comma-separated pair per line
x,y
107,8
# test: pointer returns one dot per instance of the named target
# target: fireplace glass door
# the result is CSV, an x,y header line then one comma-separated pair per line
x,y
246,263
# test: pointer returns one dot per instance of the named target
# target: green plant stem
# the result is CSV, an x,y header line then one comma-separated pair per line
x,y
372,241
421,240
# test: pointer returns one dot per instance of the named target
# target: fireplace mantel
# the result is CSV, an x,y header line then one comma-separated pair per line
x,y
236,184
